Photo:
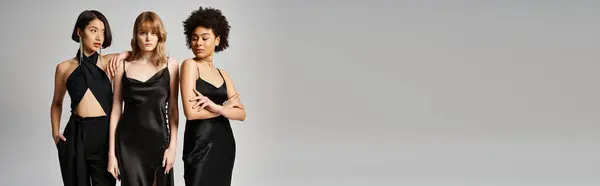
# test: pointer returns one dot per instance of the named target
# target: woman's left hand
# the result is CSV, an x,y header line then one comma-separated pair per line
x,y
197,99
169,160
210,105
204,102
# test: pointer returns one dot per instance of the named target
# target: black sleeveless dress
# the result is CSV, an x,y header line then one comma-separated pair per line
x,y
83,158
142,135
208,144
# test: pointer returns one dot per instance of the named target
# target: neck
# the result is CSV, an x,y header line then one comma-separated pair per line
x,y
146,56
88,52
207,61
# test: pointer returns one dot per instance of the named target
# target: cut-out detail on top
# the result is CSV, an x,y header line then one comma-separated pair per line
x,y
88,76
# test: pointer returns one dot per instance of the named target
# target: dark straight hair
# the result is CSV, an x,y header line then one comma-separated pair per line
x,y
84,19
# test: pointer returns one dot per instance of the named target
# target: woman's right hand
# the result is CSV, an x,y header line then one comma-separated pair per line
x,y
113,167
57,137
114,63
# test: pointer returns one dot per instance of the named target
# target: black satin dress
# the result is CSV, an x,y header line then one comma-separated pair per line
x,y
142,135
208,144
83,157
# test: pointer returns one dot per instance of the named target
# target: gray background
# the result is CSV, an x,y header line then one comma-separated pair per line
x,y
353,92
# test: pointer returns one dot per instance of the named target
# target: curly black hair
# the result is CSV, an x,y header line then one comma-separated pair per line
x,y
209,18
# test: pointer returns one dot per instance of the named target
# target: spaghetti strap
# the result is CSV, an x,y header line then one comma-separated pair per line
x,y
166,63
198,68
221,74
208,144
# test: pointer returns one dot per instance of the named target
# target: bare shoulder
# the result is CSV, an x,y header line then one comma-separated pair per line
x,y
111,55
173,67
225,74
106,58
188,62
67,65
229,82
189,65
172,63
65,68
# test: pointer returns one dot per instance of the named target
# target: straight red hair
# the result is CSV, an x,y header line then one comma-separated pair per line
x,y
149,22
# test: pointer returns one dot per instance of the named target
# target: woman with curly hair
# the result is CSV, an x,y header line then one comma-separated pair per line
x,y
209,102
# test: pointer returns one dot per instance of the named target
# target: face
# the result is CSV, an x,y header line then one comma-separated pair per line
x,y
203,42
93,35
147,40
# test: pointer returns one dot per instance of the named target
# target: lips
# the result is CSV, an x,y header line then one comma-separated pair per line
x,y
97,44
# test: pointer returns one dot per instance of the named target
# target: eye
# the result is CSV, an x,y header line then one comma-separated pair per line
x,y
94,30
205,38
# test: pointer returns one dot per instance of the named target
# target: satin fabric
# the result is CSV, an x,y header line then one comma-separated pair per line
x,y
142,135
208,144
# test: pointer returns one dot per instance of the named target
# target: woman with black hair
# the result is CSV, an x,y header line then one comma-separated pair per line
x,y
83,147
210,100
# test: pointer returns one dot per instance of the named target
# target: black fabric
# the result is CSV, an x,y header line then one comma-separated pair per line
x,y
89,75
83,156
208,144
142,135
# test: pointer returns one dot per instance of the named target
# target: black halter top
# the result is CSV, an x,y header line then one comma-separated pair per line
x,y
89,76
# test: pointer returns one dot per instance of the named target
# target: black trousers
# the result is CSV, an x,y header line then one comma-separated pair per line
x,y
83,156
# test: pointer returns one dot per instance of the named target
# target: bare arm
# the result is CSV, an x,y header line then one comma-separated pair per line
x,y
173,110
189,75
57,100
107,57
106,60
113,62
234,113
115,114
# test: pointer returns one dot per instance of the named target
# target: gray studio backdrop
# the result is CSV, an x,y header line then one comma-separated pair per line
x,y
420,93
